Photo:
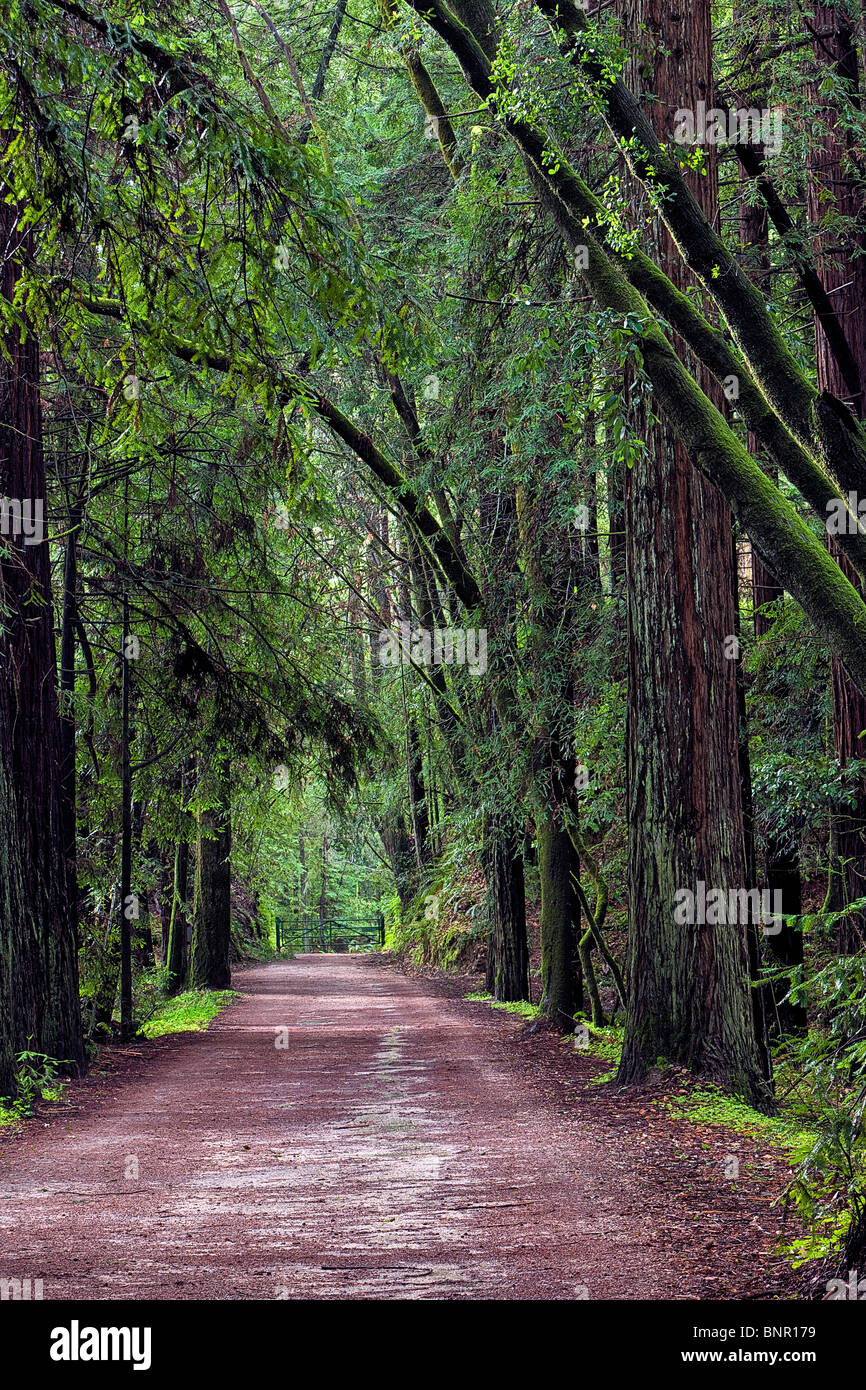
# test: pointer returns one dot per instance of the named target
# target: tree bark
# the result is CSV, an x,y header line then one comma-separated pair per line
x,y
180,925
212,918
558,865
125,906
507,948
689,998
176,956
39,1003
68,787
842,270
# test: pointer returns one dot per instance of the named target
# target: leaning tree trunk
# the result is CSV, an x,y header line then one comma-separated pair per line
x,y
507,976
39,1004
689,996
835,188
212,907
782,856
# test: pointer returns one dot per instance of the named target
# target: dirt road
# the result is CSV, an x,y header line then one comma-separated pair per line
x,y
343,1131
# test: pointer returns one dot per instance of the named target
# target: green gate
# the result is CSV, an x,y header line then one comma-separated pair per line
x,y
296,936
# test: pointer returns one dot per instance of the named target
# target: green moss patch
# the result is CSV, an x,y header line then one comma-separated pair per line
x,y
190,1012
516,1006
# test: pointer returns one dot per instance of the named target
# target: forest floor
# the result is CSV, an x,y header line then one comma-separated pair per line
x,y
402,1143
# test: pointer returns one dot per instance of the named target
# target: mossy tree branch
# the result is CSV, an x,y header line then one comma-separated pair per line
x,y
795,556
796,402
294,386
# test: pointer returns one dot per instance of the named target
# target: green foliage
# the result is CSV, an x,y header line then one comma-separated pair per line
x,y
189,1012
605,1043
37,1077
706,1105
435,932
823,1075
521,1007
216,296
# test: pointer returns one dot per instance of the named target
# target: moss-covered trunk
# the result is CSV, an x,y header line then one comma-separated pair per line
x,y
836,194
688,983
807,432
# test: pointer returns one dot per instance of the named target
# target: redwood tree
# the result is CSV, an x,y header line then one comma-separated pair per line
x,y
39,1006
836,205
688,986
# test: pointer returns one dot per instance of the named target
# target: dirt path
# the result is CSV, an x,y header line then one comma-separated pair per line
x,y
399,1146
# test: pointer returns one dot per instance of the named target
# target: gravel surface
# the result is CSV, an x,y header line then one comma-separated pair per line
x,y
345,1131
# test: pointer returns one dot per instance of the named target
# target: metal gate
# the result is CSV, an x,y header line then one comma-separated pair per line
x,y
294,935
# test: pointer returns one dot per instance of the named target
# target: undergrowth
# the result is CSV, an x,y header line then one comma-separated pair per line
x,y
602,1042
515,1006
37,1078
439,928
189,1012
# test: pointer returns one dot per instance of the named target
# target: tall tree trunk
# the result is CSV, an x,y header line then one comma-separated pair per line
x,y
176,955
508,950
327,54
592,539
558,867
302,888
392,830
212,904
20,966
39,1004
323,901
68,789
616,507
782,858
689,997
180,925
553,605
126,907
104,992
507,947
835,186
416,794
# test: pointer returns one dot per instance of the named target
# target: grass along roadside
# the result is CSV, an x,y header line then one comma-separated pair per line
x,y
39,1076
794,1136
188,1012
517,1006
